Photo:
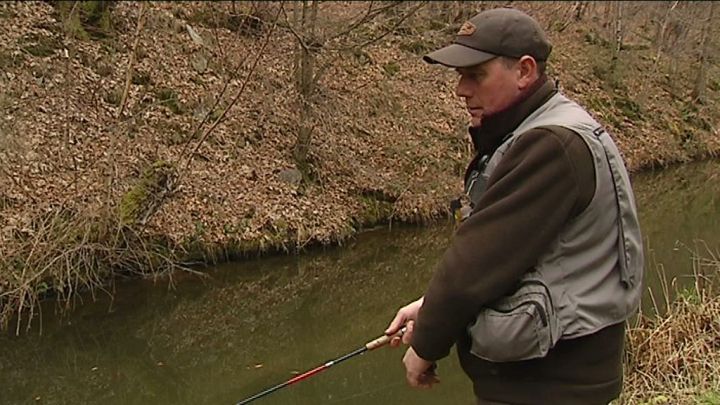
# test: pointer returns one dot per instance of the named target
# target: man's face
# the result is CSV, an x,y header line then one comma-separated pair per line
x,y
488,88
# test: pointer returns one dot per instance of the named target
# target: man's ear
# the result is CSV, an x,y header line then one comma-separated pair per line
x,y
527,71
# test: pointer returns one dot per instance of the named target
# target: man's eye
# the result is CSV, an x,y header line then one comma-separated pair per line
x,y
475,76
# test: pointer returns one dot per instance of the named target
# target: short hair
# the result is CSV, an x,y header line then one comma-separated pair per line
x,y
510,62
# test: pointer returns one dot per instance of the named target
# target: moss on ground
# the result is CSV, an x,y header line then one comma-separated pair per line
x,y
41,45
375,212
86,20
169,98
135,203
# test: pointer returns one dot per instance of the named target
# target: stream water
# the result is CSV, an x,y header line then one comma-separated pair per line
x,y
256,323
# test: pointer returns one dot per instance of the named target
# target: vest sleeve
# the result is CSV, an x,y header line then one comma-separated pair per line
x,y
531,195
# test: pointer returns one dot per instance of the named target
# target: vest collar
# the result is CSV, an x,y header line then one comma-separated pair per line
x,y
495,128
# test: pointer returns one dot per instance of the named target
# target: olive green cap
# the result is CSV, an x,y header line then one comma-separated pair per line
x,y
497,32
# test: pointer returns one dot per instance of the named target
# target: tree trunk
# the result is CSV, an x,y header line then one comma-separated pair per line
x,y
699,93
579,10
452,11
467,9
576,10
618,37
306,76
660,35
131,61
607,14
618,28
297,21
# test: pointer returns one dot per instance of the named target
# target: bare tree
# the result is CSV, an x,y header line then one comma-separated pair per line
x,y
607,13
618,34
306,77
579,8
454,11
660,35
570,13
699,91
316,37
131,60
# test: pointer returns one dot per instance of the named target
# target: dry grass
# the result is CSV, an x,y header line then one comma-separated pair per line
x,y
63,251
673,356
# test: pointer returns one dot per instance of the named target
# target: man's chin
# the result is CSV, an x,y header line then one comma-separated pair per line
x,y
476,122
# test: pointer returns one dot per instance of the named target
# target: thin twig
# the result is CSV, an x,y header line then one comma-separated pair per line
x,y
217,101
131,62
297,36
235,99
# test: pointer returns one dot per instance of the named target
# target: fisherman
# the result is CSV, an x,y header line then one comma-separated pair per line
x,y
547,264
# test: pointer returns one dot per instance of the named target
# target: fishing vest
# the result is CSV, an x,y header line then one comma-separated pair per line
x,y
590,277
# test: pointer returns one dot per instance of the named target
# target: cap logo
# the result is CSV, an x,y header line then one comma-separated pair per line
x,y
467,29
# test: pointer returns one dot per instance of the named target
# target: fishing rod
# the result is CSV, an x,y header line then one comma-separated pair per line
x,y
372,345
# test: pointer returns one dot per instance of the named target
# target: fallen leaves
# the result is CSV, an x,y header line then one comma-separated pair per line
x,y
402,134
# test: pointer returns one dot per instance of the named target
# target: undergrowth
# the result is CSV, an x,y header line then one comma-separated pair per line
x,y
63,251
673,355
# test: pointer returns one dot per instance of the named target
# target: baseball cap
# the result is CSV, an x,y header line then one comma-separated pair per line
x,y
497,32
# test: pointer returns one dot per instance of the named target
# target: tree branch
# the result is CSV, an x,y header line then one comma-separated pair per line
x,y
386,33
131,62
237,96
366,18
290,28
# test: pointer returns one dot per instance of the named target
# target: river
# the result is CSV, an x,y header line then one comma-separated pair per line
x,y
252,324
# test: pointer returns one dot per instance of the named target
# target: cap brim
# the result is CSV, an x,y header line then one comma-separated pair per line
x,y
456,55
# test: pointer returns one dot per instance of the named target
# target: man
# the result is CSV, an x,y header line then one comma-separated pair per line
x,y
547,264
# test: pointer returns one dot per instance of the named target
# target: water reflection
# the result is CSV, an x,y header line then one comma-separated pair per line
x,y
249,326
680,219
255,323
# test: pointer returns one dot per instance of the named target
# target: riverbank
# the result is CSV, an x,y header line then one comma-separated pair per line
x,y
105,177
673,355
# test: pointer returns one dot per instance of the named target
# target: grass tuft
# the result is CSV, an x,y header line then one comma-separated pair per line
x,y
62,251
673,356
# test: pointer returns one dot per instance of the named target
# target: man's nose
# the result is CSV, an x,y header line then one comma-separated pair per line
x,y
462,89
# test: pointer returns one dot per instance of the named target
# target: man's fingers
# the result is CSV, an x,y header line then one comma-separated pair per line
x,y
409,328
428,379
413,379
395,342
403,315
419,372
396,323
424,380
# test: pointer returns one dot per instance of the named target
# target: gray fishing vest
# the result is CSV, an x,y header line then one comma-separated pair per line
x,y
590,277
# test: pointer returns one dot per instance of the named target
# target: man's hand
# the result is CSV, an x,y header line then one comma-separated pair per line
x,y
419,372
405,316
